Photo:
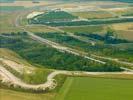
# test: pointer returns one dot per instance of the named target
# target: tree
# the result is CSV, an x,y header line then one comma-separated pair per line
x,y
111,35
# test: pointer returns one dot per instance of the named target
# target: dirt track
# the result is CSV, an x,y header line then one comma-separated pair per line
x,y
9,78
62,48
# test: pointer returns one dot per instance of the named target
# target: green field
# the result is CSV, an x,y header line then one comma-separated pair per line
x,y
87,29
6,94
124,30
79,88
81,22
54,16
11,8
102,28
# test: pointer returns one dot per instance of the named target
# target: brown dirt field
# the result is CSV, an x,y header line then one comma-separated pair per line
x,y
124,30
25,3
89,15
7,21
125,34
39,29
123,26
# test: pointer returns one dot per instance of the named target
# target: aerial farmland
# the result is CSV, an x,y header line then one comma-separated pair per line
x,y
66,50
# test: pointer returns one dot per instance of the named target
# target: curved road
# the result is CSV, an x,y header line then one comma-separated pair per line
x,y
62,48
67,49
9,78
